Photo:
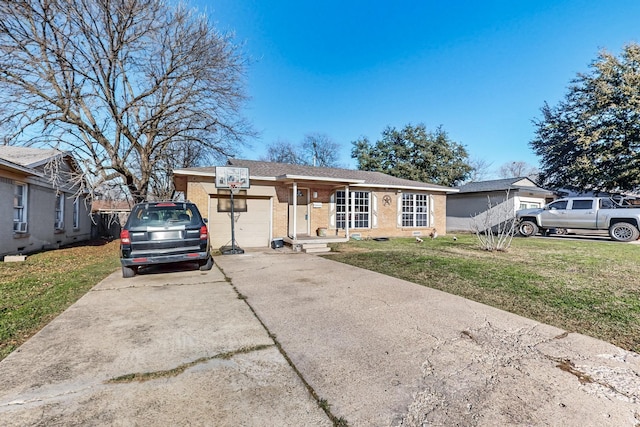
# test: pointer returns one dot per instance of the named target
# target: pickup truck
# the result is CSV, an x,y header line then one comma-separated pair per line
x,y
621,219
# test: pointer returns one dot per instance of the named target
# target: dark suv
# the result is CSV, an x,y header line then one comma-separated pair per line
x,y
164,232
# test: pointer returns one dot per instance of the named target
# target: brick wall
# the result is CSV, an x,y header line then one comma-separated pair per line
x,y
319,209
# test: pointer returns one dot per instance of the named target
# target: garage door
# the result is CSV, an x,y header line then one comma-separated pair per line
x,y
251,228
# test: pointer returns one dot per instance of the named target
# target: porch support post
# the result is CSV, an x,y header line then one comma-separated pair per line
x,y
347,208
295,211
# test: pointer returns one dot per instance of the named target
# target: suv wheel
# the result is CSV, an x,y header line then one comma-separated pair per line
x,y
207,265
129,271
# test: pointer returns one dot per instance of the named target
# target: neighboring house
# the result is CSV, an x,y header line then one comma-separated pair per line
x,y
40,208
295,203
470,206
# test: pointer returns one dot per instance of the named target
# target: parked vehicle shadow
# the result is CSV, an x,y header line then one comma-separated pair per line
x,y
168,268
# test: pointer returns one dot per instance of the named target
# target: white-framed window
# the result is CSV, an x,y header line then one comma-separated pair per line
x,y
415,210
361,209
76,213
20,193
359,212
529,205
341,209
59,211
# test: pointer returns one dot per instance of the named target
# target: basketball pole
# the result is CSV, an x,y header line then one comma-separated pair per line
x,y
233,228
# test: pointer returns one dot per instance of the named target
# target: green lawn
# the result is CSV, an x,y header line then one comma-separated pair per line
x,y
34,292
590,287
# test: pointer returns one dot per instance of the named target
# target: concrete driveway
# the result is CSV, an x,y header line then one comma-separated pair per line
x,y
386,352
269,337
165,349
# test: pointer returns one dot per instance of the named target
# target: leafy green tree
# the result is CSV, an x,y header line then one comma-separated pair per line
x,y
414,153
591,139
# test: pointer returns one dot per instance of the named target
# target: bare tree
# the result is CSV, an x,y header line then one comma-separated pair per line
x,y
320,150
479,169
517,169
123,84
282,151
316,149
496,226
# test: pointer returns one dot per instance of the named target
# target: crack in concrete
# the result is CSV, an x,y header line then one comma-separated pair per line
x,y
147,376
164,285
495,358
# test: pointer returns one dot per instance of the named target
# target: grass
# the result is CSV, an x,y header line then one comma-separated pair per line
x,y
589,287
35,291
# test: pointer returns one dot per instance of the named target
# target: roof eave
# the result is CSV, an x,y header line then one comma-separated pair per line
x,y
19,168
289,177
406,187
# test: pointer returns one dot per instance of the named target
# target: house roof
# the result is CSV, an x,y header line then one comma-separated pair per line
x,y
272,171
517,183
28,156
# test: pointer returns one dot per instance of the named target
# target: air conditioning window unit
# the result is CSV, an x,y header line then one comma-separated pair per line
x,y
20,227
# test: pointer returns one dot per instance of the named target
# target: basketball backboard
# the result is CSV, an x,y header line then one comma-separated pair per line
x,y
231,174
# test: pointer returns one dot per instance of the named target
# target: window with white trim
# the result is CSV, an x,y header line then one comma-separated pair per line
x,y
415,210
20,208
359,212
341,209
360,206
76,213
59,224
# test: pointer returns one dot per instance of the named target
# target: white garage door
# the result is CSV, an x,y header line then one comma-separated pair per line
x,y
251,227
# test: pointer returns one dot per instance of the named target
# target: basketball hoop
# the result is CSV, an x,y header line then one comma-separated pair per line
x,y
235,187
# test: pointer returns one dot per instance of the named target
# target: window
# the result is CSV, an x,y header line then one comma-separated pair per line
x,y
59,211
76,213
20,208
415,210
360,209
524,205
562,204
582,204
341,210
239,203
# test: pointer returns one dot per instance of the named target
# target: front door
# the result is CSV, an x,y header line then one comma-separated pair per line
x,y
301,213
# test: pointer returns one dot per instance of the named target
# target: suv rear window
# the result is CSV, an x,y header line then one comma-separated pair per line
x,y
161,214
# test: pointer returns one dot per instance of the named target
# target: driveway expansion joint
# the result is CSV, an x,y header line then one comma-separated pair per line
x,y
322,403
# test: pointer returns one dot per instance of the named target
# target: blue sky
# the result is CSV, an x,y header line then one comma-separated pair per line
x,y
481,69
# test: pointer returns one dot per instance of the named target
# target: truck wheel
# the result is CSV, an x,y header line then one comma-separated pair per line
x,y
623,232
528,228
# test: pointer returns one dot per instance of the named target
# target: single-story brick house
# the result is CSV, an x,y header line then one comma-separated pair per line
x,y
296,202
471,203
41,205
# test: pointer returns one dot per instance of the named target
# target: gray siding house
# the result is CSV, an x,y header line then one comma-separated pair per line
x,y
470,205
40,208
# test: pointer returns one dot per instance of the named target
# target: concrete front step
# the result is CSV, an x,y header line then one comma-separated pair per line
x,y
316,250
